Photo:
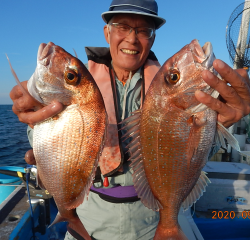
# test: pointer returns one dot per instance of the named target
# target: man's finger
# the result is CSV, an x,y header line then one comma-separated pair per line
x,y
30,158
24,103
226,114
16,93
211,102
244,74
226,92
32,118
233,77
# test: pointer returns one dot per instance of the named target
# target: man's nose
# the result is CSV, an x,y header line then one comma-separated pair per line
x,y
132,37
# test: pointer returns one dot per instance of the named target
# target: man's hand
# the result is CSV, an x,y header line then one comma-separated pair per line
x,y
236,96
30,158
29,110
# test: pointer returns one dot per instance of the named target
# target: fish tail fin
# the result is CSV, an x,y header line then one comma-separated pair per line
x,y
58,219
74,227
174,233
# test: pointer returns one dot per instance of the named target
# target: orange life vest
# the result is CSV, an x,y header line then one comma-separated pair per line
x,y
99,64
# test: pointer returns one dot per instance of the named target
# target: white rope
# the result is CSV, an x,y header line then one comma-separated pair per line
x,y
125,95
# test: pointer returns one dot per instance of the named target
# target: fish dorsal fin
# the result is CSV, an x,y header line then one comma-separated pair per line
x,y
197,191
140,180
222,133
24,91
75,53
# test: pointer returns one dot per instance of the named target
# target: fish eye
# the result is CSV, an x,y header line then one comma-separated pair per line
x,y
71,77
174,76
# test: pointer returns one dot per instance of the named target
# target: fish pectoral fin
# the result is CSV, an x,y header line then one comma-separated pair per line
x,y
222,133
197,191
193,138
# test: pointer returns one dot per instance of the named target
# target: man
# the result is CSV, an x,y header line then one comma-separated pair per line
x,y
113,211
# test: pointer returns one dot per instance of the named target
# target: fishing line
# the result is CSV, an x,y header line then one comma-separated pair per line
x,y
28,170
193,210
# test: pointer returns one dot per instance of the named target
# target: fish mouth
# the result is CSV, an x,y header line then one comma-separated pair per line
x,y
203,55
210,57
45,52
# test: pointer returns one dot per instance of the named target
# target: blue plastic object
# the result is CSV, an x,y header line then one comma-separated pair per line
x,y
5,191
13,169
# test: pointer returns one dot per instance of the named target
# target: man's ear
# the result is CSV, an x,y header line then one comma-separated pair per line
x,y
106,33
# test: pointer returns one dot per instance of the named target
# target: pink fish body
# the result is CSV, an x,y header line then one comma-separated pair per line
x,y
67,147
172,137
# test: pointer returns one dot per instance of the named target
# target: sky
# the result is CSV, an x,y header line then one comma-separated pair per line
x,y
74,24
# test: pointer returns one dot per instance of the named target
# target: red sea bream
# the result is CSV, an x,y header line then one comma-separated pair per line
x,y
172,137
67,146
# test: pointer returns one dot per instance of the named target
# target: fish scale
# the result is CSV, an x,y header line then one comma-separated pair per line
x,y
67,148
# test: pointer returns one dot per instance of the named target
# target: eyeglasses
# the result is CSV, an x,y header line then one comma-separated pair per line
x,y
141,32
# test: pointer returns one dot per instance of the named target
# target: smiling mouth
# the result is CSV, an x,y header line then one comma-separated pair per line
x,y
131,52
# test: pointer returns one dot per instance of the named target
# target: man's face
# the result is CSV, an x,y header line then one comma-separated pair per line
x,y
129,52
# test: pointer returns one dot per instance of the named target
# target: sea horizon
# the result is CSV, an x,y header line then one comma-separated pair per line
x,y
14,142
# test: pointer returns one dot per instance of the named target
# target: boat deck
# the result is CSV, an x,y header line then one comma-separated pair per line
x,y
12,211
16,221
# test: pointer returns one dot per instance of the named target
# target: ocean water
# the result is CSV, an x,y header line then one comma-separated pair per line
x,y
13,138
